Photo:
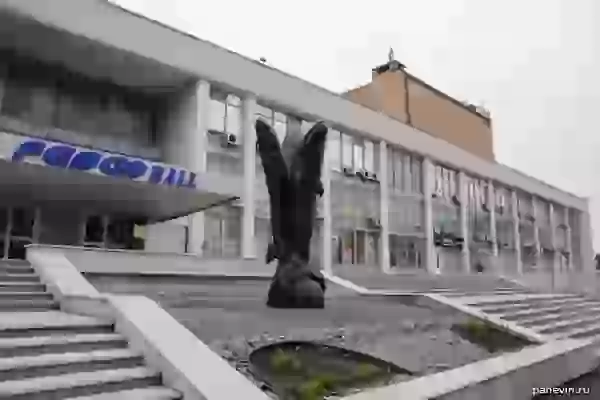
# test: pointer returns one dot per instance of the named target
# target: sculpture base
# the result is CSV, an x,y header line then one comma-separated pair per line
x,y
296,286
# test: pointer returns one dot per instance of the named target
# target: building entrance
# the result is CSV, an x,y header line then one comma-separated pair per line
x,y
21,226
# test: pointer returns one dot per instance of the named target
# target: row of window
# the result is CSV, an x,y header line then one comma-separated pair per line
x,y
353,153
53,97
404,172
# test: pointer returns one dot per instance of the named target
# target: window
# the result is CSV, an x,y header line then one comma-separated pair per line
x,y
359,155
94,229
277,120
280,126
346,151
391,164
416,175
439,184
369,156
217,115
334,150
398,161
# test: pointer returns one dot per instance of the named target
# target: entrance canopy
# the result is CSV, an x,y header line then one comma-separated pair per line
x,y
39,171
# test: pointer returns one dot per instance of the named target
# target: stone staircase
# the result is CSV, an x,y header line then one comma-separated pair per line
x,y
548,316
552,315
48,354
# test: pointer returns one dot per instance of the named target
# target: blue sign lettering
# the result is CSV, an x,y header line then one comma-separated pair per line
x,y
61,155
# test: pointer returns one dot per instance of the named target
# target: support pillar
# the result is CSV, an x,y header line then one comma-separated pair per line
x,y
492,206
568,239
249,155
184,143
514,206
555,254
464,222
586,241
429,256
198,153
326,234
536,229
384,255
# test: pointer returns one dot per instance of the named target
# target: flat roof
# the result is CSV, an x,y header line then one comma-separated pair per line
x,y
106,23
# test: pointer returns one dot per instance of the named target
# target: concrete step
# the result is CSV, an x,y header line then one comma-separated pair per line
x,y
15,368
7,304
149,393
79,384
15,262
566,325
482,294
527,298
11,277
25,296
19,347
46,323
17,269
519,305
541,311
587,331
22,287
559,315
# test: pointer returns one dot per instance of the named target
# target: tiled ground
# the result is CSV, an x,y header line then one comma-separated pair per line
x,y
231,317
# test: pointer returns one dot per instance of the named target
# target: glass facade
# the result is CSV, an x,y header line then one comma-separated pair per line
x,y
72,108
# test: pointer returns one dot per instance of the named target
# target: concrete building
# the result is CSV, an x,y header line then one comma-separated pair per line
x,y
112,125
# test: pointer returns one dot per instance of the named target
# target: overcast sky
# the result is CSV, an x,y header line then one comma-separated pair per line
x,y
534,63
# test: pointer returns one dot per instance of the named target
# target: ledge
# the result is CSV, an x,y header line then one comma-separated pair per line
x,y
510,376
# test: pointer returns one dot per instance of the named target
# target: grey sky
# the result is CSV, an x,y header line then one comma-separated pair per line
x,y
533,63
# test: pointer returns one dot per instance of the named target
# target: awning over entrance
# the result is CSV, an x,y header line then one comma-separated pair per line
x,y
39,171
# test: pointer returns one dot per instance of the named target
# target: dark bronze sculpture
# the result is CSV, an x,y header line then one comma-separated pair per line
x,y
293,177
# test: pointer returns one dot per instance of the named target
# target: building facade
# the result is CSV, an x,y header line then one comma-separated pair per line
x,y
118,132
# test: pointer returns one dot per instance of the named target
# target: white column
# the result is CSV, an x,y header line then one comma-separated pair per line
x,y
556,255
516,233
326,234
568,238
198,154
429,257
491,200
249,153
464,224
586,239
406,174
536,229
384,252
184,143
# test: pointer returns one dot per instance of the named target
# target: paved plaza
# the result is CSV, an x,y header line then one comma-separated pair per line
x,y
231,317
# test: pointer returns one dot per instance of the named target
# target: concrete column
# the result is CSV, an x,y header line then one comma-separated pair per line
x,y
491,200
516,233
384,248
586,239
429,256
184,143
463,196
536,228
197,142
249,152
326,234
568,238
406,176
556,255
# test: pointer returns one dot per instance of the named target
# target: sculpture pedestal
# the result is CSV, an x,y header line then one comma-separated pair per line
x,y
296,285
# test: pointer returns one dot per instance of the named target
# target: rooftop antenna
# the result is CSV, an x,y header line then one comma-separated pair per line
x,y
391,55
